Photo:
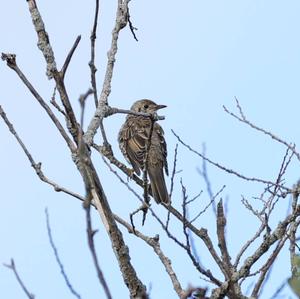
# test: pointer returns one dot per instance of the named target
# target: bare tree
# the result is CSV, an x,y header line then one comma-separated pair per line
x,y
255,259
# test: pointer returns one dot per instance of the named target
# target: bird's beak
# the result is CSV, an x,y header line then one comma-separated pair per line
x,y
160,107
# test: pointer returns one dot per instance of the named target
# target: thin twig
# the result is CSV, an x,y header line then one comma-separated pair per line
x,y
204,174
69,57
36,166
87,203
45,46
244,120
154,243
266,268
279,290
57,258
11,62
294,226
213,198
173,171
268,241
93,47
145,172
90,234
202,233
12,266
248,243
228,170
54,103
131,27
121,22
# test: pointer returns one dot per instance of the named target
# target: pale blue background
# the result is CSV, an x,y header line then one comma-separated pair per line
x,y
193,56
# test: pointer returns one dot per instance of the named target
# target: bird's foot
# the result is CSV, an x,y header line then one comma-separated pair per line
x,y
130,174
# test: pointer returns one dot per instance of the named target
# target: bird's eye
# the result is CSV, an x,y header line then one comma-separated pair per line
x,y
146,106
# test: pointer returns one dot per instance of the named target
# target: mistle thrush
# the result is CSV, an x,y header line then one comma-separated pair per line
x,y
134,139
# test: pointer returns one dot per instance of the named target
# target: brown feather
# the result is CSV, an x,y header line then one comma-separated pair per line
x,y
158,185
133,138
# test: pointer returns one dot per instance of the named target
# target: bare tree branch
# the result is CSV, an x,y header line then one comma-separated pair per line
x,y
266,268
132,28
121,22
268,241
11,62
248,243
212,200
92,61
244,120
228,170
90,234
154,243
87,202
12,267
202,232
173,171
36,166
57,258
204,174
69,57
221,223
52,72
54,103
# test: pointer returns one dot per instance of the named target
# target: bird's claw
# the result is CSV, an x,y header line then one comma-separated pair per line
x,y
130,173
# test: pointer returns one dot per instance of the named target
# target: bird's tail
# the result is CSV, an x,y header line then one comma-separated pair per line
x,y
158,185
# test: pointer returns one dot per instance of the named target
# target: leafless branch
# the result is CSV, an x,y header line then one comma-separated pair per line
x,y
92,61
266,268
36,166
12,267
248,243
279,290
43,38
221,223
69,57
228,170
185,215
114,110
173,171
90,234
213,198
54,103
132,28
194,198
57,258
204,174
52,72
120,23
145,173
244,120
135,286
294,226
87,170
87,203
202,232
11,62
154,243
268,241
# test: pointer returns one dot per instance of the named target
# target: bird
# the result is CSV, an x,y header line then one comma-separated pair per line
x,y
134,139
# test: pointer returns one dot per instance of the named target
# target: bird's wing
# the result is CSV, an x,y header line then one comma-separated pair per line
x,y
133,139
163,145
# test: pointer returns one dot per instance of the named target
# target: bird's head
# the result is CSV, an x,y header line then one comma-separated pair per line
x,y
146,106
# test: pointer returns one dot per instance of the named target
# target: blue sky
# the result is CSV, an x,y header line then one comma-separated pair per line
x,y
193,56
